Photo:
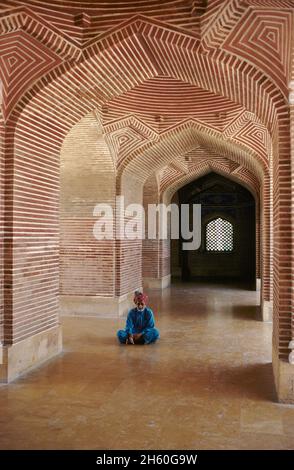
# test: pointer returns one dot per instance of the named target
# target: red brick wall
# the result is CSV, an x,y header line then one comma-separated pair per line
x,y
266,240
87,265
2,169
56,70
150,249
282,240
292,182
129,252
32,292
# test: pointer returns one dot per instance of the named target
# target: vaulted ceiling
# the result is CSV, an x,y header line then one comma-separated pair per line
x,y
148,68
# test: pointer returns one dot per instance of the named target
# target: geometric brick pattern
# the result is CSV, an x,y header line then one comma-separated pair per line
x,y
81,27
255,135
259,32
163,102
22,61
126,135
164,80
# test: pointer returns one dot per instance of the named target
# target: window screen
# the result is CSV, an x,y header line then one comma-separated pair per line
x,y
219,235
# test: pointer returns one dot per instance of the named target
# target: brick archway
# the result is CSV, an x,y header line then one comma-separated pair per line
x,y
173,146
174,176
239,218
68,75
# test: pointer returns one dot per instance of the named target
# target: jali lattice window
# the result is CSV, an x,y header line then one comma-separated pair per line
x,y
219,235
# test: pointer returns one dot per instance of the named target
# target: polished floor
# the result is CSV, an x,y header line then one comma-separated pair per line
x,y
207,384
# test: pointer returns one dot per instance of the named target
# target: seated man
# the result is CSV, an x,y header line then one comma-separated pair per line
x,y
140,324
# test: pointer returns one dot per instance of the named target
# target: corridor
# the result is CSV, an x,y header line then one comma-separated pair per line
x,y
207,384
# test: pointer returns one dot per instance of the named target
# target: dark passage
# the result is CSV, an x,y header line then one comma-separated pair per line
x,y
228,244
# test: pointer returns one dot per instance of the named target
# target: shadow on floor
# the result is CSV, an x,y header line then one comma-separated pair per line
x,y
246,312
215,283
254,382
212,381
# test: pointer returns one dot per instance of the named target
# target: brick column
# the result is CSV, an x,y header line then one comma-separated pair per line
x,y
1,229
87,265
32,333
266,250
291,100
282,262
128,252
156,253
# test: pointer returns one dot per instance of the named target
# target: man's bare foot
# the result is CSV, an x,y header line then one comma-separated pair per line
x,y
130,340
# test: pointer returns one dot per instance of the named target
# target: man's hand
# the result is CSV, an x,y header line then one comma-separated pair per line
x,y
130,340
136,336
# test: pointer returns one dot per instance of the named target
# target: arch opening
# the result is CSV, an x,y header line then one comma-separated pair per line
x,y
87,179
228,232
57,100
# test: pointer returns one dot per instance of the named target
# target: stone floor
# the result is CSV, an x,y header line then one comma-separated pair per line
x,y
207,384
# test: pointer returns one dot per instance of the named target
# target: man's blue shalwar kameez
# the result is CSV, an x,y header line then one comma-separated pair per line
x,y
139,321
